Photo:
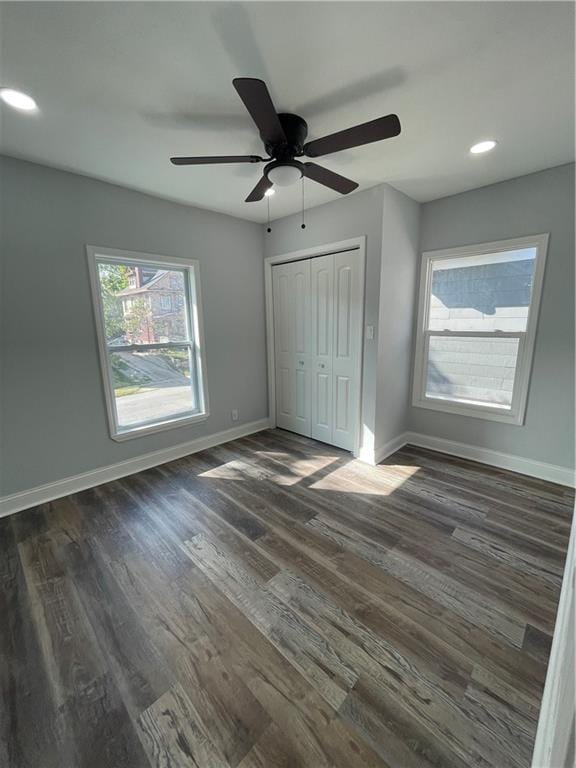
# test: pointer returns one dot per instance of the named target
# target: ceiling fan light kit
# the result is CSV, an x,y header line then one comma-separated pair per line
x,y
284,137
284,174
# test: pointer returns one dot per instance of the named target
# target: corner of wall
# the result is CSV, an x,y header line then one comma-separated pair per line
x,y
398,273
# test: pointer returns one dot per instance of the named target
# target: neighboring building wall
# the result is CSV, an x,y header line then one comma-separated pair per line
x,y
52,402
164,299
533,204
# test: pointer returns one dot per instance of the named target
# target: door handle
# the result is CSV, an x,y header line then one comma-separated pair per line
x,y
322,365
300,362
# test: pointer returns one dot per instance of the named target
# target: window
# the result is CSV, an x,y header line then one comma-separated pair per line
x,y
166,302
152,364
477,320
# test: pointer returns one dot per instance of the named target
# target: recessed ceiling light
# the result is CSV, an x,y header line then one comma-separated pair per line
x,y
18,100
483,146
270,192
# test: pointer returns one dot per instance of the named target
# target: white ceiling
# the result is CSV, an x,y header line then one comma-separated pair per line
x,y
123,86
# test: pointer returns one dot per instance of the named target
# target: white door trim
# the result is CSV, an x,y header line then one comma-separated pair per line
x,y
352,244
557,709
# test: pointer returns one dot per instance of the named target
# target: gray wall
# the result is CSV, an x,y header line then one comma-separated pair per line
x,y
539,202
359,214
52,400
400,232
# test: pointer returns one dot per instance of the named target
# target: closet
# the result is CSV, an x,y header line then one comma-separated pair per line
x,y
317,309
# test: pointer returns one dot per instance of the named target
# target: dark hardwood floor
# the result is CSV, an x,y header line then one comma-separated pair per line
x,y
272,603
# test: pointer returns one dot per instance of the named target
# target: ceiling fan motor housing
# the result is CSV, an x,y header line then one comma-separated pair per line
x,y
296,130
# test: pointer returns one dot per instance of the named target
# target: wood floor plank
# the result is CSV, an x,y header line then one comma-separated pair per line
x,y
71,654
499,484
295,639
29,733
537,643
94,726
524,562
272,602
439,587
140,673
374,659
409,605
530,598
505,660
408,637
172,734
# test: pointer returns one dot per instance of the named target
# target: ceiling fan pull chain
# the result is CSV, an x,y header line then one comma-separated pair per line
x,y
269,228
303,225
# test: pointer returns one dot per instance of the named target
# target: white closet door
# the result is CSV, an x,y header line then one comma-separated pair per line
x,y
292,341
322,310
347,344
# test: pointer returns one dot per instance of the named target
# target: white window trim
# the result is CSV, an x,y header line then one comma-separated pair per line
x,y
195,320
517,412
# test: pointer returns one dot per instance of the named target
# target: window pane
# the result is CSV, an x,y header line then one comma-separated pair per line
x,y
482,293
152,386
143,304
472,370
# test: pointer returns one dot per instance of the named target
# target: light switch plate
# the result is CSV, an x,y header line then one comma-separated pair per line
x,y
369,331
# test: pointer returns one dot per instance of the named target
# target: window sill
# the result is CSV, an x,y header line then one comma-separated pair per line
x,y
159,427
475,412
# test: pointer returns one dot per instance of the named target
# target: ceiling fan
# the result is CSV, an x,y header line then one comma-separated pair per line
x,y
284,137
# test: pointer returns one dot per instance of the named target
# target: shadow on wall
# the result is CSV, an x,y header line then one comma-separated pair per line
x,y
239,43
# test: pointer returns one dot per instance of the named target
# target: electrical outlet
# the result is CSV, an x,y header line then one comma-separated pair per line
x,y
234,414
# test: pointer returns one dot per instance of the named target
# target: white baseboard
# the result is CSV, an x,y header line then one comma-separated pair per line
x,y
550,472
43,493
383,451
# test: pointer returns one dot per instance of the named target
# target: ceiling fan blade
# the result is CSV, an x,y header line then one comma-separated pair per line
x,y
329,178
216,159
366,133
258,102
259,190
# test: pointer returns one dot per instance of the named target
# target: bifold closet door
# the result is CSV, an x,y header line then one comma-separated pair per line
x,y
292,341
318,341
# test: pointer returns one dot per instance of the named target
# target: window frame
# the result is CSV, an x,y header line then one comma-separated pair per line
x,y
517,412
196,343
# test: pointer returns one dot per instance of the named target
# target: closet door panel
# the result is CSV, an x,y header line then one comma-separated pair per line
x,y
322,319
300,312
291,296
348,314
282,345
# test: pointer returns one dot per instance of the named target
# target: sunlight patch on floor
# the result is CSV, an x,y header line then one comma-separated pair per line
x,y
293,471
373,483
235,470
